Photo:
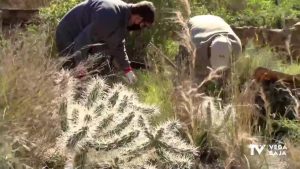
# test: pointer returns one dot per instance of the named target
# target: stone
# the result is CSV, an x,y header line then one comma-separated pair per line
x,y
280,92
284,41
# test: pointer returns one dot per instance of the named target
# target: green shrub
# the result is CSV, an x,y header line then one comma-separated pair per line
x,y
250,12
57,9
156,89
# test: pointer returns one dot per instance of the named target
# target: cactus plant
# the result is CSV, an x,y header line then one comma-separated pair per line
x,y
112,122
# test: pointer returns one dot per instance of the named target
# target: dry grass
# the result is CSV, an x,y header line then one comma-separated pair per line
x,y
227,127
293,154
210,124
28,91
224,129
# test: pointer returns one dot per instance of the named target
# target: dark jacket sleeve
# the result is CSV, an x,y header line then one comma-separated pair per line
x,y
117,50
106,27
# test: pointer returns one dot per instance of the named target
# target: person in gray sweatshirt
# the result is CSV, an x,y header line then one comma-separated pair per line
x,y
106,22
215,42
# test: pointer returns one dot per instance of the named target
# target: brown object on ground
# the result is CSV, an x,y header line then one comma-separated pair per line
x,y
263,75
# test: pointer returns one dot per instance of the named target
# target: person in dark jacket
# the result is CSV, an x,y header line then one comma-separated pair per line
x,y
103,21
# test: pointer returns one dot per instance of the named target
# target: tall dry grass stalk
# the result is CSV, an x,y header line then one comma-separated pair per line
x,y
186,6
187,49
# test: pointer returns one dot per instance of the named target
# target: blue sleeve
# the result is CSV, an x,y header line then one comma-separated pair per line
x,y
106,27
117,49
103,23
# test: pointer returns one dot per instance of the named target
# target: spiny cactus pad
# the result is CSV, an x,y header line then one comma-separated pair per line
x,y
113,122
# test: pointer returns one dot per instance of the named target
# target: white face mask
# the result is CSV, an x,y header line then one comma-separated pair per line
x,y
221,51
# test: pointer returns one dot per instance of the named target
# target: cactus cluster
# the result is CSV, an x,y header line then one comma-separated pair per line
x,y
114,125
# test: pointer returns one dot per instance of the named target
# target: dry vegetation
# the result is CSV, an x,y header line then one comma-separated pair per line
x,y
28,92
225,121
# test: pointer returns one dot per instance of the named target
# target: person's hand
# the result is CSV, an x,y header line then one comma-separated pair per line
x,y
130,76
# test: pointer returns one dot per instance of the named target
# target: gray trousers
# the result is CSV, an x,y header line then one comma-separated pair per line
x,y
202,54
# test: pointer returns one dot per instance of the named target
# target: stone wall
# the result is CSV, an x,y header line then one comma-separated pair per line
x,y
281,40
12,17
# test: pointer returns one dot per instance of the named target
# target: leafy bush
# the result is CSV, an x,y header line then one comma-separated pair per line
x,y
293,129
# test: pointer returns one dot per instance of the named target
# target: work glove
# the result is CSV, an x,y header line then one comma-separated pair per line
x,y
130,76
80,71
